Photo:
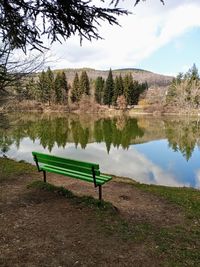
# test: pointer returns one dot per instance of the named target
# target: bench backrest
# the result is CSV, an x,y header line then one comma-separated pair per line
x,y
65,163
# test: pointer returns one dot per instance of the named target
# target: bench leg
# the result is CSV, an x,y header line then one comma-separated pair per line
x,y
44,173
100,192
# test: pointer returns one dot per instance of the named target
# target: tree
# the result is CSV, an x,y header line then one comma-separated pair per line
x,y
137,90
118,88
30,89
12,70
184,91
192,73
99,86
42,85
50,86
75,93
61,88
58,88
108,89
128,88
20,21
121,102
84,83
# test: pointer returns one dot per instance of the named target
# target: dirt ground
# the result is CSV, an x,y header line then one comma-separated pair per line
x,y
40,228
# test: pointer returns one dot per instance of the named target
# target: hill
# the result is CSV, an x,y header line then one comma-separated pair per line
x,y
153,79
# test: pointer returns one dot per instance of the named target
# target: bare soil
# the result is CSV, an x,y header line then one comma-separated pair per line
x,y
40,228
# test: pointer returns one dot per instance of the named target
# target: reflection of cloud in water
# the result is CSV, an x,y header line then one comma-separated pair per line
x,y
127,163
139,167
197,179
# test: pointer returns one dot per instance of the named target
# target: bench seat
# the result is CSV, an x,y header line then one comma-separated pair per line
x,y
100,179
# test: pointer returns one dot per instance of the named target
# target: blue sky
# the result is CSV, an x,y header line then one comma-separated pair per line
x,y
162,39
177,56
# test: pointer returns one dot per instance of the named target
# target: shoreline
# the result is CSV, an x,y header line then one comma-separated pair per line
x,y
35,107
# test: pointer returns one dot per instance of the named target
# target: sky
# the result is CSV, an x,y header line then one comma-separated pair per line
x,y
160,38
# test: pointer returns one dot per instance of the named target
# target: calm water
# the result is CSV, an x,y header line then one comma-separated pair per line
x,y
164,151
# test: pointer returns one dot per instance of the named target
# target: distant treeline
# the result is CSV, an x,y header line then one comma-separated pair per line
x,y
52,88
110,91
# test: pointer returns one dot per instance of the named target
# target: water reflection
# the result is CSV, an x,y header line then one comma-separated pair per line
x,y
151,150
183,135
59,131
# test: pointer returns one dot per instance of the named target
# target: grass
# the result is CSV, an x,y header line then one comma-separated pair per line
x,y
187,198
11,170
181,244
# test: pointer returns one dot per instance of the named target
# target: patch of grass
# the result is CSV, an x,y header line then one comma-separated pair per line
x,y
179,244
11,169
51,188
187,198
86,200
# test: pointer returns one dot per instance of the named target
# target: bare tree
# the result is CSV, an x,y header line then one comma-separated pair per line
x,y
13,69
121,102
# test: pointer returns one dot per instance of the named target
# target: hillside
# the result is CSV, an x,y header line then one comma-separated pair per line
x,y
153,79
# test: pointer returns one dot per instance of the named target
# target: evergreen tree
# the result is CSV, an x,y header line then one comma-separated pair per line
x,y
99,86
84,83
42,84
192,73
128,89
121,85
108,89
118,88
61,89
137,90
19,89
58,88
50,86
116,91
65,87
31,91
75,93
179,78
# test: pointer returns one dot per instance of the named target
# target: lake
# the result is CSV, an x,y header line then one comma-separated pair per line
x,y
148,149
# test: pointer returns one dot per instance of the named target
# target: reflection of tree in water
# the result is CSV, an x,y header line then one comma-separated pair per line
x,y
5,140
108,130
60,130
5,143
80,135
183,135
49,132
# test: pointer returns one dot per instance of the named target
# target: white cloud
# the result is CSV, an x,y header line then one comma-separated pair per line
x,y
150,27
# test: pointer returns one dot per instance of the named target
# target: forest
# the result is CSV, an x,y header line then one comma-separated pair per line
x,y
52,87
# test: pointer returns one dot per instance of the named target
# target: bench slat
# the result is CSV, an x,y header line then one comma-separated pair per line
x,y
58,164
101,177
66,160
73,175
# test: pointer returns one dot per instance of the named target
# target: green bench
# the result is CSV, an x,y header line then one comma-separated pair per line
x,y
85,171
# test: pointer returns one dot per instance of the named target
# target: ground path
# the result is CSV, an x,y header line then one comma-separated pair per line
x,y
40,228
